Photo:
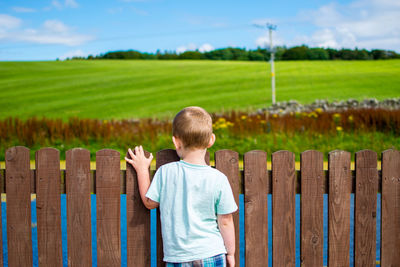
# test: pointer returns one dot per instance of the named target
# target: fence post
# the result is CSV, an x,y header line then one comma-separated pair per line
x,y
48,207
18,182
137,221
256,208
365,208
108,200
339,208
283,209
163,157
78,207
312,208
390,238
227,161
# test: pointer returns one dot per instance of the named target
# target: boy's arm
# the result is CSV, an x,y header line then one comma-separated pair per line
x,y
227,229
141,164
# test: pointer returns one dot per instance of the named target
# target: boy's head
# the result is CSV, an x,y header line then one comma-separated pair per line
x,y
193,127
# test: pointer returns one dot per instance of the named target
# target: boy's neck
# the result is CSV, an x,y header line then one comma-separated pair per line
x,y
194,156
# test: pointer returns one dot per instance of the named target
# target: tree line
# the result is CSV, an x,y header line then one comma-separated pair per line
x,y
281,53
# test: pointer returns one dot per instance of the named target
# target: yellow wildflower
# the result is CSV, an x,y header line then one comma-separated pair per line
x,y
319,110
350,118
275,115
339,128
312,115
243,117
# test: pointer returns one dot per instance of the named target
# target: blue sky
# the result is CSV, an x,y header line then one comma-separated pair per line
x,y
46,30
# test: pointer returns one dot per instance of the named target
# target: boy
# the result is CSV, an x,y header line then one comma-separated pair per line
x,y
196,201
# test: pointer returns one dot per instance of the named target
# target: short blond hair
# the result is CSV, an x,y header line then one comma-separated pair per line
x,y
193,126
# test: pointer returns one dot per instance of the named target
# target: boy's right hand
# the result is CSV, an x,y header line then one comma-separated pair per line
x,y
138,159
230,260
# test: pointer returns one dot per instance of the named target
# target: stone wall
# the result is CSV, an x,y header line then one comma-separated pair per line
x,y
293,106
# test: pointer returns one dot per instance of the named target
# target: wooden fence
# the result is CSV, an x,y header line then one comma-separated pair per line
x,y
18,181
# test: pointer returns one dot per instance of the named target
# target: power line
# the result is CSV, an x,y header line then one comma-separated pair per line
x,y
145,36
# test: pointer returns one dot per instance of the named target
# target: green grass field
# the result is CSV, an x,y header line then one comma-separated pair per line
x,y
131,89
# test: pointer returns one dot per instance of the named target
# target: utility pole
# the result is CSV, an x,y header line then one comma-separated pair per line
x,y
271,27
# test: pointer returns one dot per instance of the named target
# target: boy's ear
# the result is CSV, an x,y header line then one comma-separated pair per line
x,y
176,142
212,141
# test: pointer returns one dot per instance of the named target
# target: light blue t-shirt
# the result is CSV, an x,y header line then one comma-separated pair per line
x,y
190,198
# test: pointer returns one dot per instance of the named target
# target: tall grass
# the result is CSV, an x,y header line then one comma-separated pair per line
x,y
373,128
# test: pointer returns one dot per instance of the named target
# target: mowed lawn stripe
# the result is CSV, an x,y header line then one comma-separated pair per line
x,y
119,89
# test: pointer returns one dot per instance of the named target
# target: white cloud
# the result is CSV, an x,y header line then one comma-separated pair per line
x,y
23,9
206,48
9,22
263,41
71,3
363,23
61,5
193,47
183,48
136,1
74,53
55,26
56,4
51,32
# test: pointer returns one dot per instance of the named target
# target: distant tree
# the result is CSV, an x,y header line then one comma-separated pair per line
x,y
255,56
167,55
191,55
347,54
378,54
295,53
333,53
279,51
317,54
230,53
361,54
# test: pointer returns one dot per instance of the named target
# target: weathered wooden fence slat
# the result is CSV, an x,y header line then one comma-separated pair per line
x,y
78,207
339,208
18,181
283,209
137,221
163,157
312,208
365,208
48,207
227,161
1,227
108,208
256,208
390,237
